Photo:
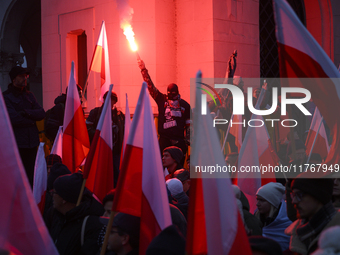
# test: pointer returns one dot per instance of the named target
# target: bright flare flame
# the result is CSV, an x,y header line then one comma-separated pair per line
x,y
130,36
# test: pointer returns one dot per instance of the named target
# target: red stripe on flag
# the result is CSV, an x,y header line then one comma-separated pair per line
x,y
319,146
100,179
241,244
75,141
91,156
128,197
197,234
149,227
41,205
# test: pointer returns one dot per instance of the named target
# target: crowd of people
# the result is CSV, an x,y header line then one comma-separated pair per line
x,y
294,216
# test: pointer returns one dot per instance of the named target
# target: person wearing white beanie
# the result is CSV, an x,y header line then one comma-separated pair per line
x,y
272,192
181,200
175,186
272,213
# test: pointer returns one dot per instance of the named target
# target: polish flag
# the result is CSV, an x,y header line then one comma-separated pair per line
x,y
126,127
301,56
256,151
141,189
76,142
57,147
22,230
40,178
100,61
236,130
99,163
321,144
210,231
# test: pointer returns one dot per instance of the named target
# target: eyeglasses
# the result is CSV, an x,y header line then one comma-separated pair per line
x,y
298,195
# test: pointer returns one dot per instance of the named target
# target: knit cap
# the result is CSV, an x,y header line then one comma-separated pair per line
x,y
321,189
168,242
52,159
175,152
175,186
272,192
68,187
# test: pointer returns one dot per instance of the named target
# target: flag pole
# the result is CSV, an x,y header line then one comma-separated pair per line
x,y
226,134
316,136
81,191
85,86
107,233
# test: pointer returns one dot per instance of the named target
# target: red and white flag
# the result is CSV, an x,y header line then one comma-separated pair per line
x,y
100,61
76,141
40,178
256,153
236,130
99,163
321,143
57,147
212,197
126,127
141,189
301,56
22,230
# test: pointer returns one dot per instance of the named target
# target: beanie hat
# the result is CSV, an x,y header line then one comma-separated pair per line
x,y
298,145
266,245
175,186
58,169
272,192
321,189
17,70
52,159
175,152
68,187
168,242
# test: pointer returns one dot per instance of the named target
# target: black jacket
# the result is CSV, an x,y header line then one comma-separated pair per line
x,y
65,230
23,110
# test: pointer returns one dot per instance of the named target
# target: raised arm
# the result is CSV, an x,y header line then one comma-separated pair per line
x,y
154,92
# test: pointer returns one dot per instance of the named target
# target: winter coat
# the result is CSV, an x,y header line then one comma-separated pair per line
x,y
253,224
65,230
182,203
23,110
298,246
